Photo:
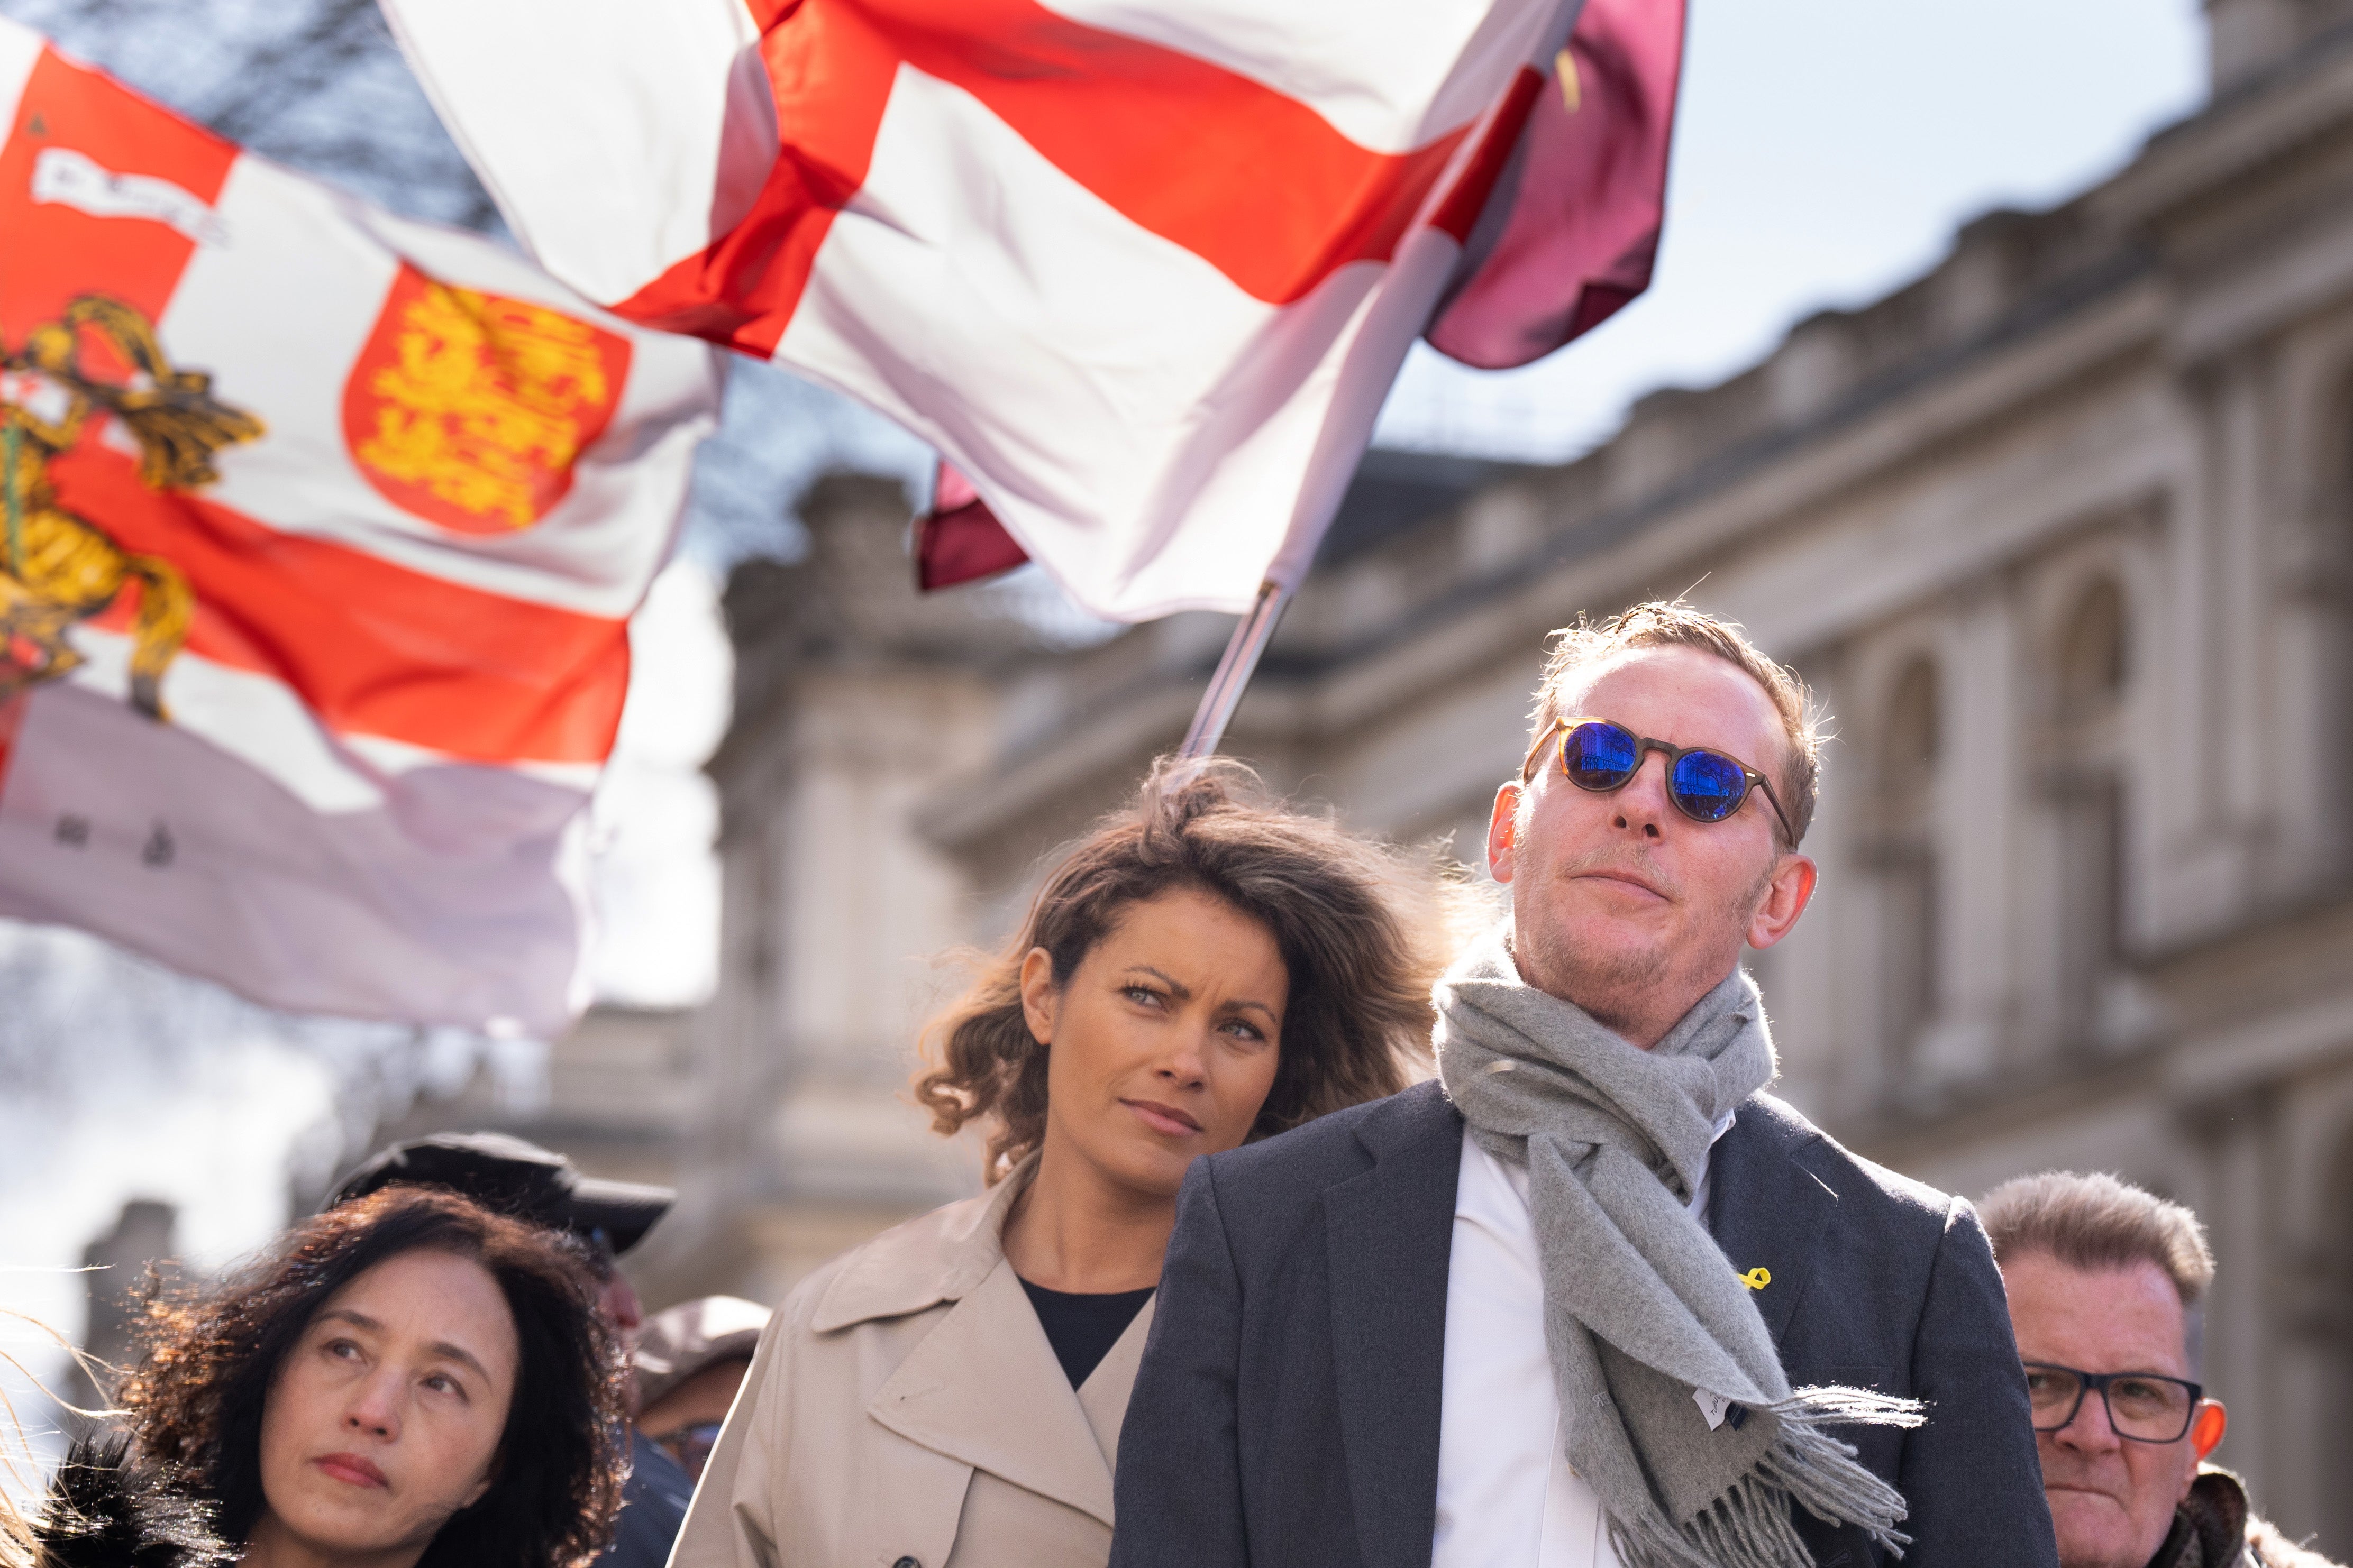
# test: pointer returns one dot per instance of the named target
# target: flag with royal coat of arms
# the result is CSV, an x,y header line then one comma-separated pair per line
x,y
323,529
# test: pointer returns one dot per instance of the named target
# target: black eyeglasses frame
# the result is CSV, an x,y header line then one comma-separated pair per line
x,y
2086,1382
1643,746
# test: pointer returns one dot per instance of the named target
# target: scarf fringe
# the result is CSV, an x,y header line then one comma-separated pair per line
x,y
1821,1473
1749,1526
1829,1402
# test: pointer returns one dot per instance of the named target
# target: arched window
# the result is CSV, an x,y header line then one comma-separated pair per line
x,y
2091,669
2092,653
1909,739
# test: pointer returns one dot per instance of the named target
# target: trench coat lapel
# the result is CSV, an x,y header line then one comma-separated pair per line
x,y
983,1388
1389,1235
941,1256
1766,1209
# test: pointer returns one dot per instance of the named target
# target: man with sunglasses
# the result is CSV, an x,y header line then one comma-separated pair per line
x,y
1593,1299
2105,1284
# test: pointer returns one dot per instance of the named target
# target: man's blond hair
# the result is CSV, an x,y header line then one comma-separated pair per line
x,y
1660,624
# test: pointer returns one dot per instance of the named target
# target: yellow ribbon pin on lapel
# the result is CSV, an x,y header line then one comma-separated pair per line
x,y
1758,1277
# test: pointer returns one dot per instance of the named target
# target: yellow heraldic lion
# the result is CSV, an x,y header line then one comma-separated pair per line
x,y
58,568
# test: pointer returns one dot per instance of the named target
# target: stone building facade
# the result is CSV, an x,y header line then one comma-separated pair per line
x,y
2062,534
617,1094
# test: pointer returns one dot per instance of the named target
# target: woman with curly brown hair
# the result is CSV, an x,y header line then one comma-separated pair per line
x,y
1206,968
407,1381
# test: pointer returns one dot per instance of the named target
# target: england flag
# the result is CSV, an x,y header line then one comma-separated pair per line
x,y
1143,269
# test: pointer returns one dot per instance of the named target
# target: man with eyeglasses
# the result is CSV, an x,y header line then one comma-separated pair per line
x,y
2105,1283
1593,1299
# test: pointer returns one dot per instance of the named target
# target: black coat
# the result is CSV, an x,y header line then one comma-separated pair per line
x,y
106,1511
653,1508
1287,1411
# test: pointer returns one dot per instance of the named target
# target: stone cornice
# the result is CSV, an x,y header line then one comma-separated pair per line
x,y
2258,124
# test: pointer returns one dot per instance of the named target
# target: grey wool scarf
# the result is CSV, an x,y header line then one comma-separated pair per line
x,y
1652,1331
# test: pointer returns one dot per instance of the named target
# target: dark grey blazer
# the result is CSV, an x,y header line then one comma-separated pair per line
x,y
1286,1414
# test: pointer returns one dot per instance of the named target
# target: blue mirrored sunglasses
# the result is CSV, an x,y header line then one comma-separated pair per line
x,y
1705,786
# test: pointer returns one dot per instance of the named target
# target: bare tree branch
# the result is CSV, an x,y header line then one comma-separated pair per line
x,y
317,85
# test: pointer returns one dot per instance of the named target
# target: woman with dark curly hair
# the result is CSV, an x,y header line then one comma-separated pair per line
x,y
1207,967
407,1381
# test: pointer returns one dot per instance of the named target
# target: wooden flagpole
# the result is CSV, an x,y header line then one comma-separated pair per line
x,y
1232,678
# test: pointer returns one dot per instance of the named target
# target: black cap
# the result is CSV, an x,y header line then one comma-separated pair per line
x,y
516,1178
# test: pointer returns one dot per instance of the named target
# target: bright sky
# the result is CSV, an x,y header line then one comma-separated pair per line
x,y
657,883
1825,151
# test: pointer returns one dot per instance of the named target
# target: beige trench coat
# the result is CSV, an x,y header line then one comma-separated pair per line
x,y
905,1411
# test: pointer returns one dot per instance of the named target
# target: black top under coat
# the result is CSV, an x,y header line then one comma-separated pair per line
x,y
1083,1328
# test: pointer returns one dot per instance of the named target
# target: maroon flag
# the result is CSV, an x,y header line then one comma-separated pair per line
x,y
1570,234
960,539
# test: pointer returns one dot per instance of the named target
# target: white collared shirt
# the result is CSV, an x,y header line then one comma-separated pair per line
x,y
1506,1496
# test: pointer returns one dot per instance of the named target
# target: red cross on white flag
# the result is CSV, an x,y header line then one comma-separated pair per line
x,y
1143,268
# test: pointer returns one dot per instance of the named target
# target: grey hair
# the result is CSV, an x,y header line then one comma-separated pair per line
x,y
2096,1222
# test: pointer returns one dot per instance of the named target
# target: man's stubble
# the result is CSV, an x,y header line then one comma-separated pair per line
x,y
1613,985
